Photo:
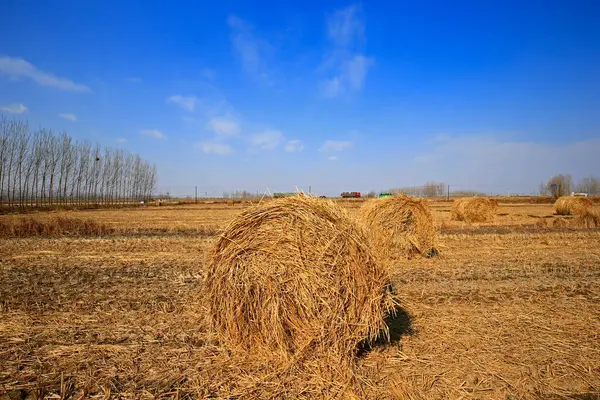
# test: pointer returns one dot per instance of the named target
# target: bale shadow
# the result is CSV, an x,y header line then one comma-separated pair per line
x,y
399,323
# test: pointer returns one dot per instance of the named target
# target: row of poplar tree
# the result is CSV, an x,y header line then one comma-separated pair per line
x,y
44,168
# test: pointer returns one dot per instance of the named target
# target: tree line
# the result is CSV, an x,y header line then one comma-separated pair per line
x,y
563,185
45,168
429,189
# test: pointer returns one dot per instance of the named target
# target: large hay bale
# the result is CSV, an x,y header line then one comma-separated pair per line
x,y
295,274
571,205
474,209
399,226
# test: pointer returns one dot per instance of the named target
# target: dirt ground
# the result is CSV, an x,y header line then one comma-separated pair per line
x,y
509,310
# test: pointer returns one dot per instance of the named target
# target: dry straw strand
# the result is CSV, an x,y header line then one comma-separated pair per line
x,y
572,205
294,275
474,209
399,226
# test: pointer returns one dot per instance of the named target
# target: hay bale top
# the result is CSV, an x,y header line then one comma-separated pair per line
x,y
474,209
572,205
295,274
399,225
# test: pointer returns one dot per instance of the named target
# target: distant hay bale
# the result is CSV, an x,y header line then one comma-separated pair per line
x,y
571,205
399,226
292,275
474,209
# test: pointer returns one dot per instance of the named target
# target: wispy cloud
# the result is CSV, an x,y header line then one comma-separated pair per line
x,y
336,145
153,133
346,64
15,108
267,140
70,117
16,68
208,73
345,27
224,126
221,149
332,87
294,145
490,163
251,50
332,158
186,102
121,140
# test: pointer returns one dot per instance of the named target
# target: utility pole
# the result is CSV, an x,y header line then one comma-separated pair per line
x,y
448,192
196,194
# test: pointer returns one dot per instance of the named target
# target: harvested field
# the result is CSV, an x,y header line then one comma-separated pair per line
x,y
508,311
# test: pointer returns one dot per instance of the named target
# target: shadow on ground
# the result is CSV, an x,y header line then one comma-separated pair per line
x,y
399,323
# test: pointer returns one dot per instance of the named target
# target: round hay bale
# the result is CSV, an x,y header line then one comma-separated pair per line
x,y
589,219
571,205
474,209
399,226
295,274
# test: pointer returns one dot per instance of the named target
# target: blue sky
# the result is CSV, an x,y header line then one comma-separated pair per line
x,y
489,95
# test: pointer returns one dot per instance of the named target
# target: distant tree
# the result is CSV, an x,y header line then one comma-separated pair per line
x,y
43,168
559,185
590,185
434,189
371,195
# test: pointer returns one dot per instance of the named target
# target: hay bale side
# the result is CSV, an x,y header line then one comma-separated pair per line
x,y
293,275
474,209
399,226
571,205
589,219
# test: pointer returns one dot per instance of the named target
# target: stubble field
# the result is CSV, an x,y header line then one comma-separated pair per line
x,y
509,309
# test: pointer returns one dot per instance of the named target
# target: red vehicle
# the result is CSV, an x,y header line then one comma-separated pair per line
x,y
350,195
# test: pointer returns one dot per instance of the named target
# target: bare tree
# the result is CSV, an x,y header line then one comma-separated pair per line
x,y
434,189
44,168
589,185
559,185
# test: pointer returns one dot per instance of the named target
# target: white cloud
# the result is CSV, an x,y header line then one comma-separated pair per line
x,y
154,133
345,26
336,145
15,108
221,149
332,158
346,65
121,140
16,68
187,102
224,126
267,140
70,117
294,145
251,50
